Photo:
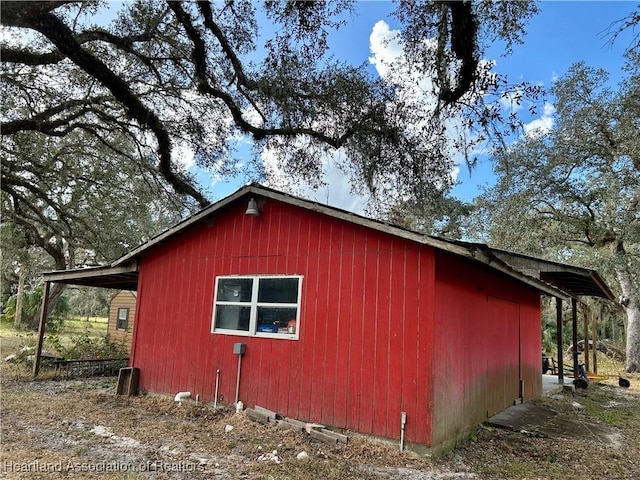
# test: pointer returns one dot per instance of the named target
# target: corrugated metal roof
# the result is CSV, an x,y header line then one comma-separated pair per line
x,y
577,281
120,277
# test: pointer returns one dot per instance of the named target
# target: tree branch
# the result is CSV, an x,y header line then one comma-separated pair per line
x,y
42,122
62,37
464,30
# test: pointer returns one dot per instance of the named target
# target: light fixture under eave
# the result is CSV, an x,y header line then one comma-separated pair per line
x,y
252,208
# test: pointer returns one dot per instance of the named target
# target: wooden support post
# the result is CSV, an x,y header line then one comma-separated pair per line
x,y
574,326
595,341
585,323
17,321
41,328
559,337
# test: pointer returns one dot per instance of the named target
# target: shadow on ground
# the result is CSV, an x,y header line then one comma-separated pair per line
x,y
534,419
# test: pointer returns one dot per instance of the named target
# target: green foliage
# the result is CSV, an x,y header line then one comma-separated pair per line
x,y
204,74
571,194
437,214
571,189
88,302
31,302
549,333
87,346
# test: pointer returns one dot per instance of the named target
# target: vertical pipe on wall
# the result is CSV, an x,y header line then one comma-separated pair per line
x,y
238,379
215,398
559,337
239,349
595,342
403,422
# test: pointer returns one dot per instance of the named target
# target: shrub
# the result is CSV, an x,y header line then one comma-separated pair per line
x,y
86,347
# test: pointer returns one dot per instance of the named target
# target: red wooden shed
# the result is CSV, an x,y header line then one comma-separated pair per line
x,y
345,321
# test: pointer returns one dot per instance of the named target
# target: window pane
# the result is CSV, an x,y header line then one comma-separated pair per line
x,y
278,290
233,317
234,289
123,313
277,319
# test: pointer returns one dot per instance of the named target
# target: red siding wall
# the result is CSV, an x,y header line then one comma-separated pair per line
x,y
365,351
488,338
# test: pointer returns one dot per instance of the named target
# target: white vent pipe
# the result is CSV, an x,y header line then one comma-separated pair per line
x,y
181,396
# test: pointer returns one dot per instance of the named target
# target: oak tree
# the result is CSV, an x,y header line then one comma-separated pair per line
x,y
573,194
204,73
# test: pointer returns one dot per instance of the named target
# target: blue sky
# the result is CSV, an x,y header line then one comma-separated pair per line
x,y
562,34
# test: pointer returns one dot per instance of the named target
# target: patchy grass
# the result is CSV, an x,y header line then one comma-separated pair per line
x,y
599,408
81,325
81,424
76,338
12,340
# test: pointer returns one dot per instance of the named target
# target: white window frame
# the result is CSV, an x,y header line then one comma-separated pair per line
x,y
254,304
119,318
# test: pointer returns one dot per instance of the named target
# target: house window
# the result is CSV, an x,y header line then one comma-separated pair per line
x,y
263,306
123,319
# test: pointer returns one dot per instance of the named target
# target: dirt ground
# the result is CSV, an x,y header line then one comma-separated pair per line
x,y
80,429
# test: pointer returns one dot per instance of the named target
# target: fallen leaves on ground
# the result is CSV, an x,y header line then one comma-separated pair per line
x,y
81,429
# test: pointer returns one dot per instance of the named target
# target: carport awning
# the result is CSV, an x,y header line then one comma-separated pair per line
x,y
578,285
576,281
122,277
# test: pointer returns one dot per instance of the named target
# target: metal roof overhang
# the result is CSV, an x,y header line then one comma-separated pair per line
x,y
121,277
576,281
578,285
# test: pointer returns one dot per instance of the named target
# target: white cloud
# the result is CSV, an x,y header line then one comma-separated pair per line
x,y
414,87
183,154
336,190
511,100
390,62
541,125
386,47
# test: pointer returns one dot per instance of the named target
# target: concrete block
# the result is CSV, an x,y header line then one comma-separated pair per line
x,y
323,437
256,416
269,413
340,437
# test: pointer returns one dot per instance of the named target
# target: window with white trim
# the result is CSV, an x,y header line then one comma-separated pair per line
x,y
122,322
263,306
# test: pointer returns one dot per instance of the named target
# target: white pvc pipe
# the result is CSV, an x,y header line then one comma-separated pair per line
x,y
180,396
238,379
403,422
215,399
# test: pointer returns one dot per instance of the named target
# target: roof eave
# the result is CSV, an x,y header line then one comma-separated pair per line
x,y
477,253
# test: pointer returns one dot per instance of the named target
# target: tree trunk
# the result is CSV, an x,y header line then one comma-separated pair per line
x,y
614,329
19,297
633,337
55,293
631,302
